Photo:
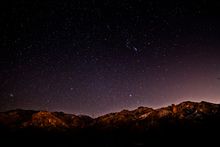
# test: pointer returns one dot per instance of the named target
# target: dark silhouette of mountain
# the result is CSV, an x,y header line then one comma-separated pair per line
x,y
186,122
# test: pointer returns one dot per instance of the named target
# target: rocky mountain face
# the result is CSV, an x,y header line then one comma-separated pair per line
x,y
19,119
193,111
190,118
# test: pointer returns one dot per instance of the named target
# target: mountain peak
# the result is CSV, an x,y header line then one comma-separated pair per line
x,y
138,125
49,120
45,119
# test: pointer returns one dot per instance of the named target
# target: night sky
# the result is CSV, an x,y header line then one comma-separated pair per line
x,y
92,57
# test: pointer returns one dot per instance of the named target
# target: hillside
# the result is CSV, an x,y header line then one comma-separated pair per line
x,y
185,122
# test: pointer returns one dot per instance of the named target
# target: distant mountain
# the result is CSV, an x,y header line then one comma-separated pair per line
x,y
20,119
138,127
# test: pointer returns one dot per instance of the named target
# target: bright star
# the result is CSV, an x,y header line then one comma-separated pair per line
x,y
11,95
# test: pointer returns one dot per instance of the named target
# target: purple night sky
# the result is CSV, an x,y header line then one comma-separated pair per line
x,y
92,57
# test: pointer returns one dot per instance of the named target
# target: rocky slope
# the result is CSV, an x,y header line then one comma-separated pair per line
x,y
56,120
132,127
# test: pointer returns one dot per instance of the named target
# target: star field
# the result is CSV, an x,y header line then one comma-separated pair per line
x,y
90,57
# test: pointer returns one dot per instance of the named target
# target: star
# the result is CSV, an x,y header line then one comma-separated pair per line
x,y
11,95
135,49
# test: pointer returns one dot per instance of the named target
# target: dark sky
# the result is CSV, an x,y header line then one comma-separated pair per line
x,y
92,57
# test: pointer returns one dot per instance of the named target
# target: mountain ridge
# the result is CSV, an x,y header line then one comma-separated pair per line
x,y
27,118
139,127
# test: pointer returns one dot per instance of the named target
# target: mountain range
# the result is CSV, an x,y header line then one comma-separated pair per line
x,y
197,122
